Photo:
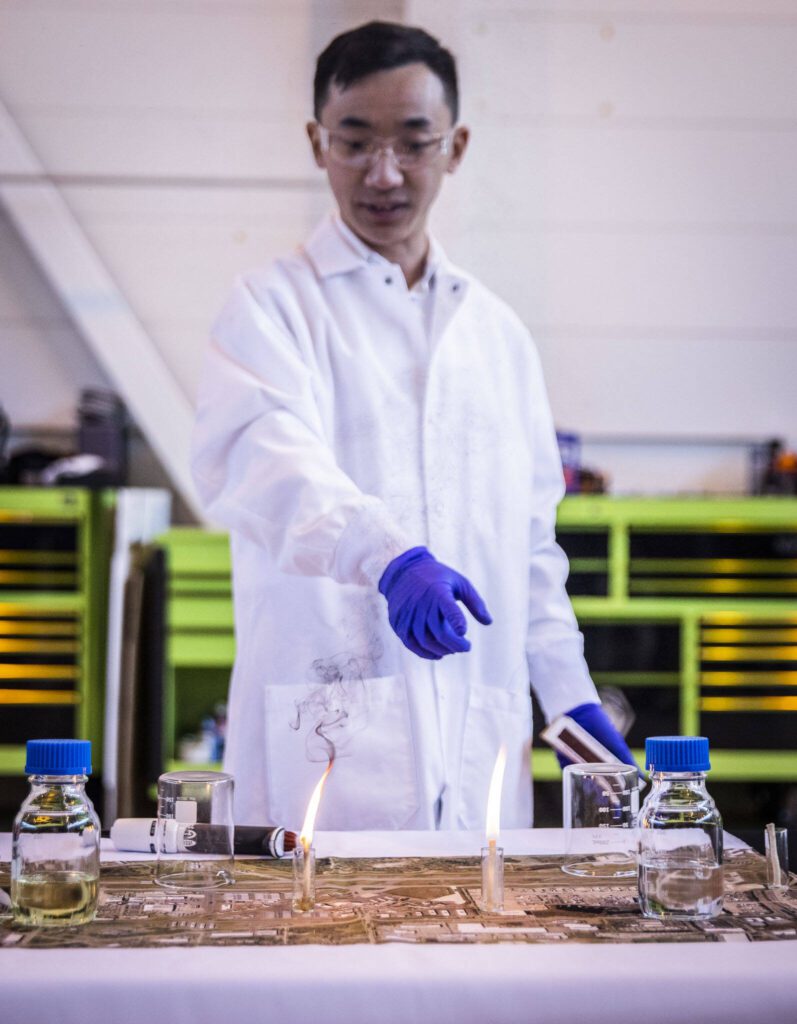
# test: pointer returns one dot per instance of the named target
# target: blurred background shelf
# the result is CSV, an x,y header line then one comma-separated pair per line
x,y
54,555
688,608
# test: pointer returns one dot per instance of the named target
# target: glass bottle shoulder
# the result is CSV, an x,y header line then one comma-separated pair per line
x,y
679,801
56,806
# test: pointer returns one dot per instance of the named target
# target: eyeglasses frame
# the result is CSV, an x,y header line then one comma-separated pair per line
x,y
385,145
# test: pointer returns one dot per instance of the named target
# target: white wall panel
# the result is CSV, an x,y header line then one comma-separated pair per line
x,y
726,282
544,174
43,361
191,89
42,369
737,11
175,253
656,71
147,145
24,297
672,386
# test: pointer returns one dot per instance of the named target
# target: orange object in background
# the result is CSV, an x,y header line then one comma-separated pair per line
x,y
779,475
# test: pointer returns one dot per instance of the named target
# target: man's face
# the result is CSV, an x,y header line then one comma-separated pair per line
x,y
384,205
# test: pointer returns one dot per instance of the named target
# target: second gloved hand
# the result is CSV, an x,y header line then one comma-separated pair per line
x,y
593,719
422,596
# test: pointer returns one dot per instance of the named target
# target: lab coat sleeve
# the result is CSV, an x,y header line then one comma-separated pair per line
x,y
554,646
263,465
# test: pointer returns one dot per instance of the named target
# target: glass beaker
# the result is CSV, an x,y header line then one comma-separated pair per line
x,y
600,804
190,797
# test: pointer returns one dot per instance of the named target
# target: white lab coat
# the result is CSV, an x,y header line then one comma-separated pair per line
x,y
332,434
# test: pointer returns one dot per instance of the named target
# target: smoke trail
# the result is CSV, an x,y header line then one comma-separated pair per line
x,y
335,710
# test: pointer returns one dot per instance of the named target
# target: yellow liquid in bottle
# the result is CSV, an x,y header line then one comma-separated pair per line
x,y
59,898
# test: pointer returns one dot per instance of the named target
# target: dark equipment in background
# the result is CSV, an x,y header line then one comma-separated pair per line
x,y
775,469
5,430
102,431
579,479
97,457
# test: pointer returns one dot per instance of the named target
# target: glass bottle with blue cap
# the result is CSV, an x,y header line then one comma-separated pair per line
x,y
680,833
55,852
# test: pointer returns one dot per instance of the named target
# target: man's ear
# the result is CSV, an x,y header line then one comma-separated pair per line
x,y
459,144
315,141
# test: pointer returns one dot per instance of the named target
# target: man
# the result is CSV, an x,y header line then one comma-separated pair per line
x,y
366,403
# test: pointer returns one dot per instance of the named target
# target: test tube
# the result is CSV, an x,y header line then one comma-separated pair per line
x,y
776,844
492,860
303,878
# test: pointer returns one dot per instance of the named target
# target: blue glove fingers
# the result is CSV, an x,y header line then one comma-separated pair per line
x,y
594,719
417,645
472,600
422,596
452,641
401,621
450,611
421,634
449,626
408,622
420,651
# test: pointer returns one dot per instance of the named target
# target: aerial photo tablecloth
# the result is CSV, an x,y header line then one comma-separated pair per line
x,y
408,900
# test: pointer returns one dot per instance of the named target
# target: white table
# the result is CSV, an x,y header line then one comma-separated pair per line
x,y
693,983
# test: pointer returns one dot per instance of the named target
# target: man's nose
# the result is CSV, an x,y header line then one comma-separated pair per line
x,y
384,172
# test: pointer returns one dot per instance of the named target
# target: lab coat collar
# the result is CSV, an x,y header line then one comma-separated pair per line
x,y
330,252
333,248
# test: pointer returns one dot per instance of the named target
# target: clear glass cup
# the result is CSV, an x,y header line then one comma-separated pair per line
x,y
186,798
600,805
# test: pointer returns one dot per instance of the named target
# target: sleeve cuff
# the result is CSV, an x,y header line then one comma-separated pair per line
x,y
369,543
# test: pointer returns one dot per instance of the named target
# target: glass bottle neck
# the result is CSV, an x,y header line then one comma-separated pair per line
x,y
690,780
58,780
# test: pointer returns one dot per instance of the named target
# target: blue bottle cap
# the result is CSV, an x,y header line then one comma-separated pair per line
x,y
677,754
58,757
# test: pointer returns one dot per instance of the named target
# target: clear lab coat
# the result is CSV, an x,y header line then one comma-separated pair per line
x,y
332,434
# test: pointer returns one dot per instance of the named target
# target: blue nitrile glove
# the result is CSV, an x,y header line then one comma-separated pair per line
x,y
422,596
596,722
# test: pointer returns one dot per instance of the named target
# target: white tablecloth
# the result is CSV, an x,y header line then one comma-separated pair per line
x,y
693,983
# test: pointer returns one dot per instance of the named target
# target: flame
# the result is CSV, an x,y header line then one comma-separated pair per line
x,y
494,797
306,835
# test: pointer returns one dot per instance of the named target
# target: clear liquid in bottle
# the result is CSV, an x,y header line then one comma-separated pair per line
x,y
680,834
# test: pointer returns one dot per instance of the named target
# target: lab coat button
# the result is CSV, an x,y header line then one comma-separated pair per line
x,y
388,280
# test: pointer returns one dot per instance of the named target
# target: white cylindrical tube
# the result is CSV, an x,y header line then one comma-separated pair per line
x,y
140,834
492,878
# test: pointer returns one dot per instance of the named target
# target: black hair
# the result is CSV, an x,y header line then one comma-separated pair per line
x,y
380,46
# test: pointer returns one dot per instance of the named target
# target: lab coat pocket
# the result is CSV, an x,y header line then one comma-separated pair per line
x,y
363,725
495,717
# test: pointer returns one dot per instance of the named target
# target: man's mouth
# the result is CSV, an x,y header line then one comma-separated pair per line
x,y
384,208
